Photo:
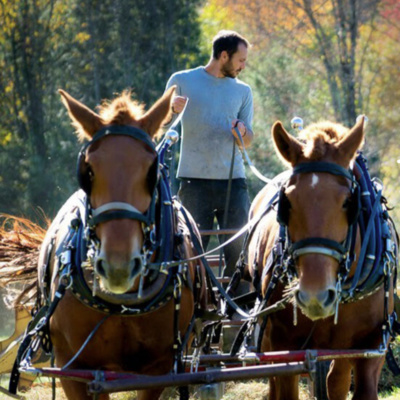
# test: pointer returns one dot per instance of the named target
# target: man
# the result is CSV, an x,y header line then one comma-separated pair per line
x,y
217,102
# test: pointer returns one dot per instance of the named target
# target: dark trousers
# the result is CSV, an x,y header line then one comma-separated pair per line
x,y
205,199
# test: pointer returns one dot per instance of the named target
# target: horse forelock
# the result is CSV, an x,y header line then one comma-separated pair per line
x,y
320,139
121,111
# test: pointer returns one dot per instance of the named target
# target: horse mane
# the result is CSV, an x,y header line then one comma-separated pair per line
x,y
20,241
122,110
320,139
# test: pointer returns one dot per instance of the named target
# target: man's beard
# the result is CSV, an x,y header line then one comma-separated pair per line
x,y
228,71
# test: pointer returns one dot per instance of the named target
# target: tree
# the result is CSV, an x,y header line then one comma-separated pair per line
x,y
26,57
92,49
337,32
321,59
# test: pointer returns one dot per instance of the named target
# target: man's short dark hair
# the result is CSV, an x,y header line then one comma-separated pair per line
x,y
227,41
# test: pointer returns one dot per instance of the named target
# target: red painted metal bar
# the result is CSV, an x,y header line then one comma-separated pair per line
x,y
79,375
204,360
287,356
289,363
140,382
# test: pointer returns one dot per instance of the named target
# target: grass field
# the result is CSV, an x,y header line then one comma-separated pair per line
x,y
251,390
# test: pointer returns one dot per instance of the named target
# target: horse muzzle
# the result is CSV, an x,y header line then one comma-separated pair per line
x,y
117,274
317,305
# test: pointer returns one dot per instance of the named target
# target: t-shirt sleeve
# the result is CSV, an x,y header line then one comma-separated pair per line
x,y
173,80
246,111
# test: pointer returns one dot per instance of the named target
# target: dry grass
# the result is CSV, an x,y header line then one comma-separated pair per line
x,y
20,240
251,390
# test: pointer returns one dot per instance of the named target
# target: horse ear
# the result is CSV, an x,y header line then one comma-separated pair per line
x,y
287,146
86,121
159,114
350,143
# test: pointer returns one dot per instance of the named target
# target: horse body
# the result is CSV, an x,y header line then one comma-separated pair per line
x,y
315,213
142,345
119,222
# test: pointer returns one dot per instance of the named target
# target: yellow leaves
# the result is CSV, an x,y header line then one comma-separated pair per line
x,y
216,16
82,37
61,7
213,18
9,88
6,139
390,170
22,116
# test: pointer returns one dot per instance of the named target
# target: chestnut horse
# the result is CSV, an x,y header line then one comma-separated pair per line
x,y
307,244
109,266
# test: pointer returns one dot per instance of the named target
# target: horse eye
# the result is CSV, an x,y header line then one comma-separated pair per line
x,y
347,203
90,174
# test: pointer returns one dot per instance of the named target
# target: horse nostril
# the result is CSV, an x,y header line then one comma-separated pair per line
x,y
330,297
100,267
301,297
136,264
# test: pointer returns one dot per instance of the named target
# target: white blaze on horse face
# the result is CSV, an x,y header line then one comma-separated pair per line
x,y
314,181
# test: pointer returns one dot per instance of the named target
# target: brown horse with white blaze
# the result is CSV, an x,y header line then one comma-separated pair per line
x,y
103,264
311,241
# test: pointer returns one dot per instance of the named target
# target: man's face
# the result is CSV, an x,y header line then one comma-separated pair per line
x,y
233,66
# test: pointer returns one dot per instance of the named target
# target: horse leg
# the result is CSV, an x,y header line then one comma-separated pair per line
x,y
78,391
366,378
150,394
284,388
159,366
339,380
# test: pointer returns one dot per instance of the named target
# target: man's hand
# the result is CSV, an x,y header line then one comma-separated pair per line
x,y
245,133
178,104
241,127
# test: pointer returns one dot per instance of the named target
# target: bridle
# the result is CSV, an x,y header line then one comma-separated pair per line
x,y
120,210
341,252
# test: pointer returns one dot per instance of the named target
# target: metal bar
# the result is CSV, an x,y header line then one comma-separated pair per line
x,y
334,355
287,356
295,364
12,395
140,382
79,375
210,232
223,280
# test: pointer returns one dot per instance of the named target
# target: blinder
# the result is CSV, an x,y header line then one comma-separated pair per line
x,y
83,169
354,206
283,208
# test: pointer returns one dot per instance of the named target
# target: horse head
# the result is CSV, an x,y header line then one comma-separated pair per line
x,y
118,171
318,206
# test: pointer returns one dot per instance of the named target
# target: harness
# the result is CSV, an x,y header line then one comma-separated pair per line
x,y
120,210
376,264
366,209
163,242
341,252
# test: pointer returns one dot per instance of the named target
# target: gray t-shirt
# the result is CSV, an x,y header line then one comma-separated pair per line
x,y
207,140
